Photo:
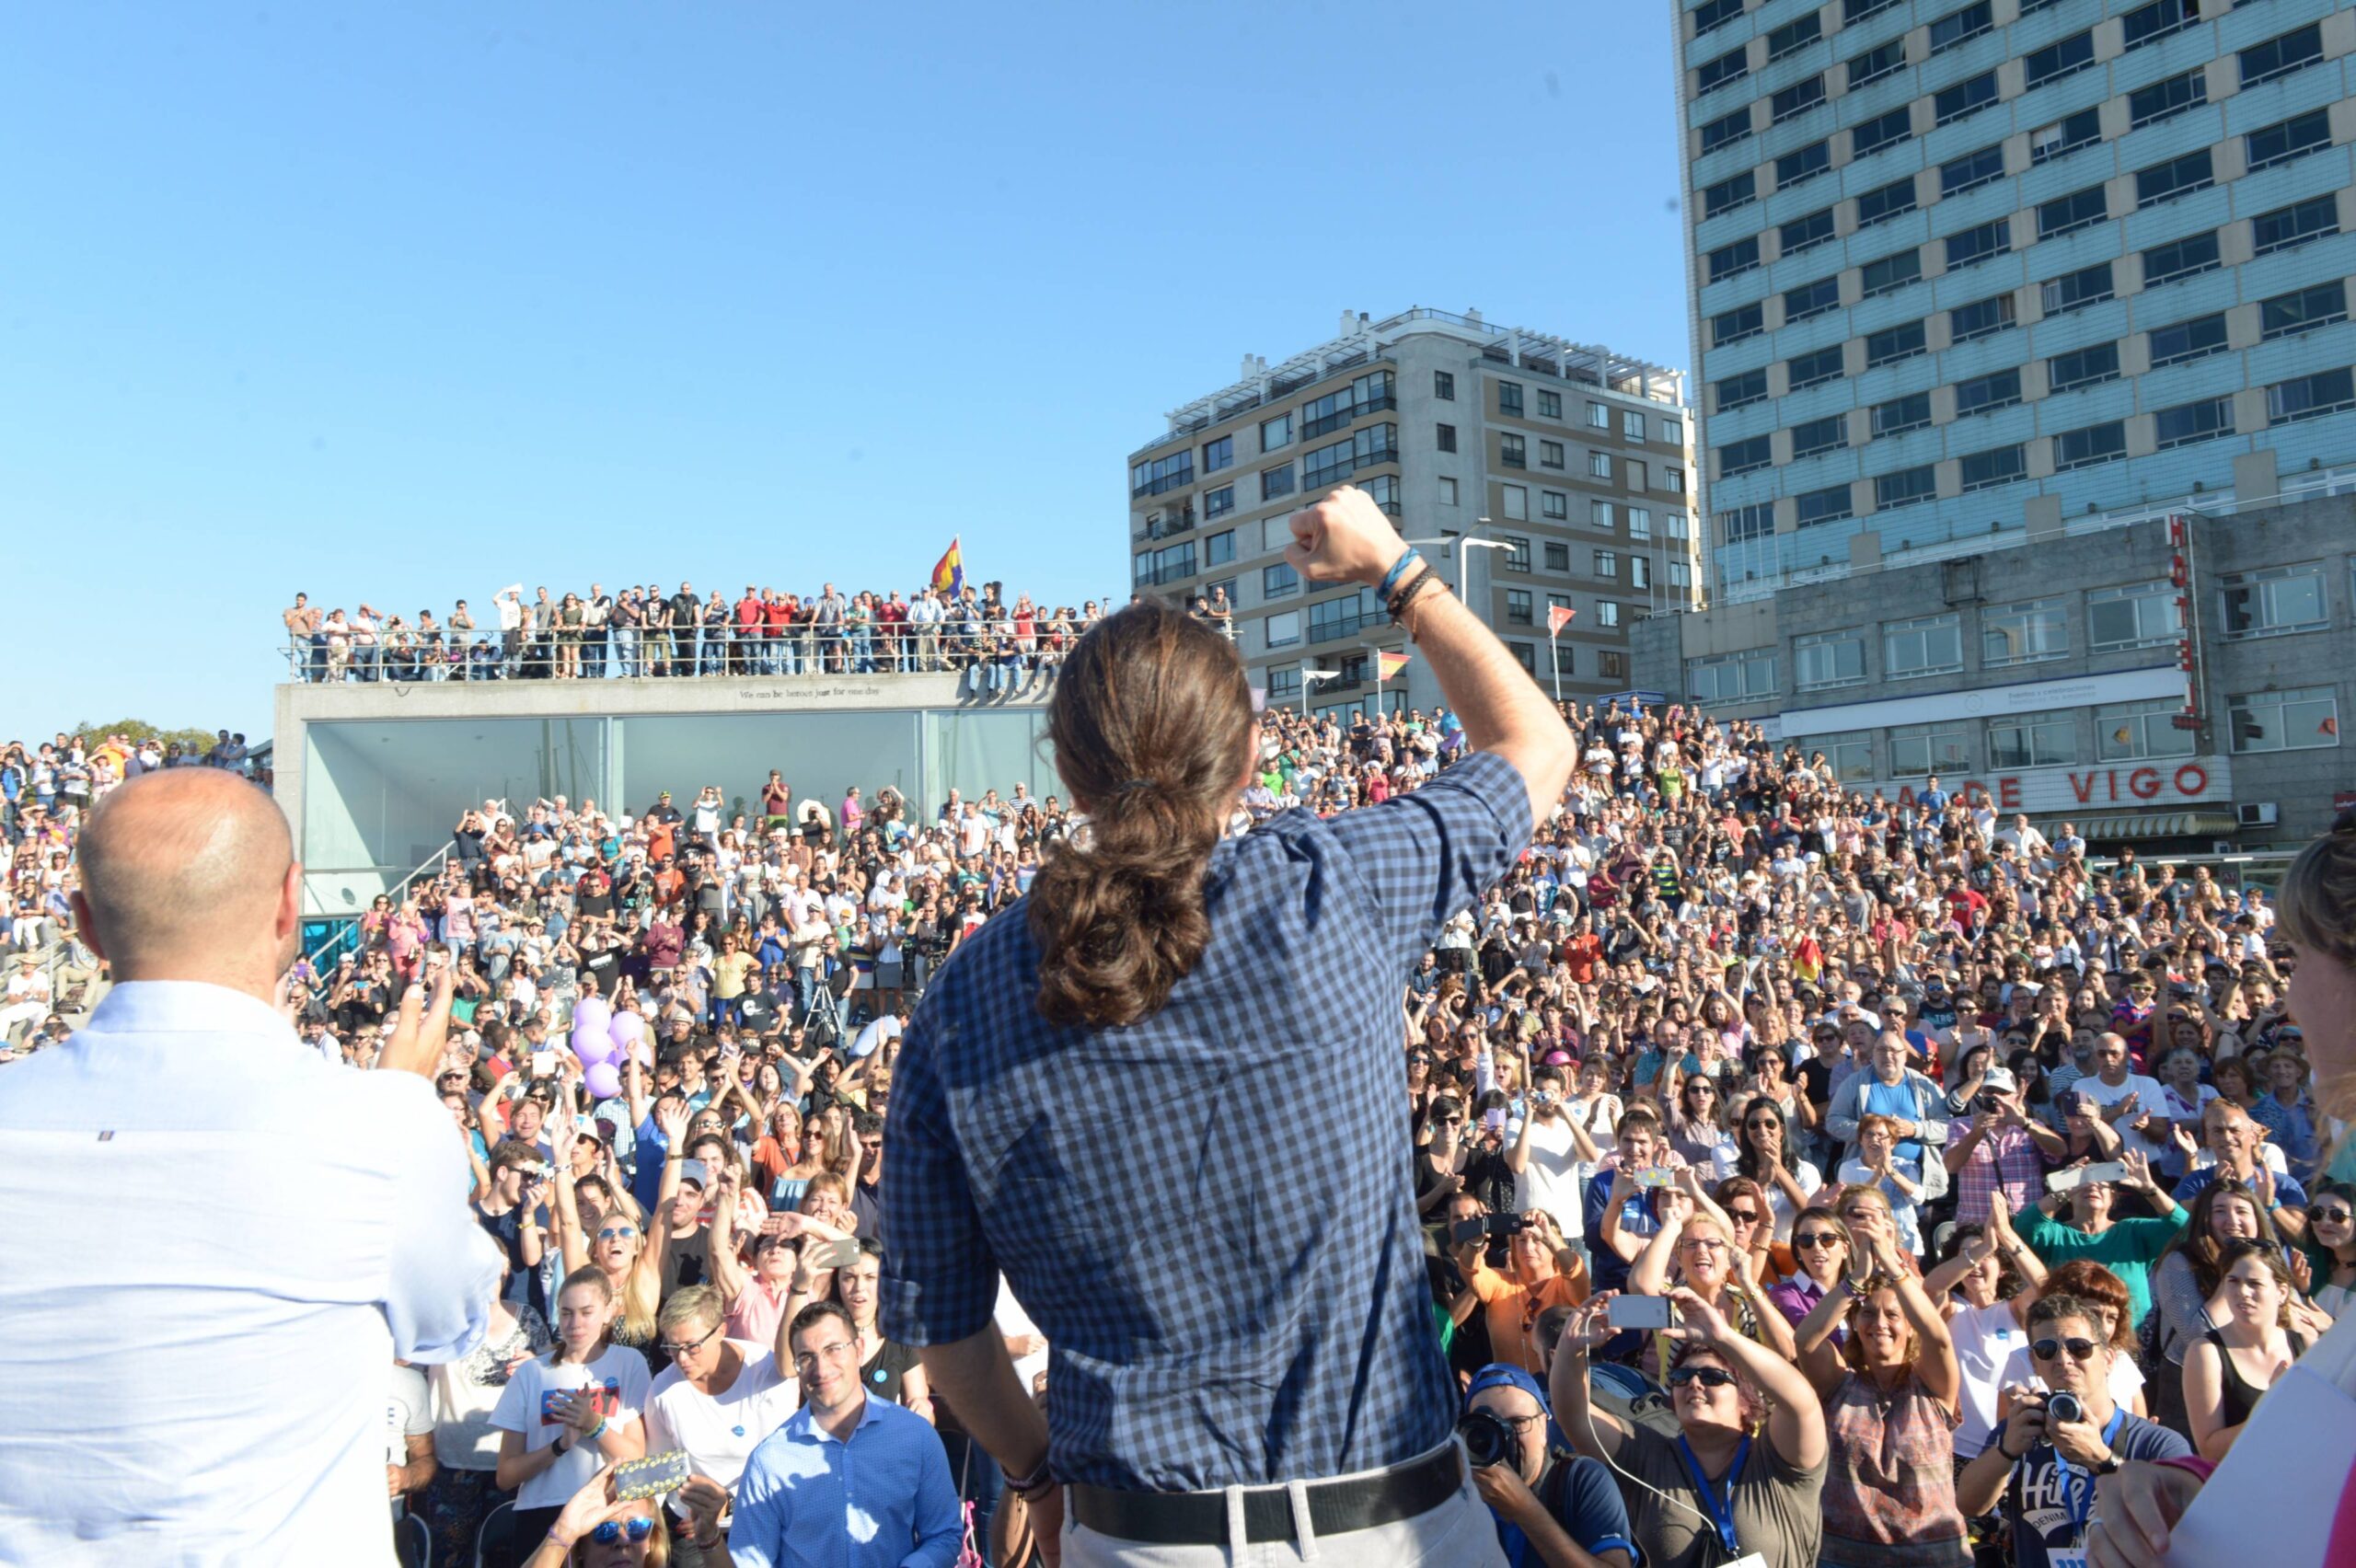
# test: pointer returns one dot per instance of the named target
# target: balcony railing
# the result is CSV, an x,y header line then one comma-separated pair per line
x,y
1331,627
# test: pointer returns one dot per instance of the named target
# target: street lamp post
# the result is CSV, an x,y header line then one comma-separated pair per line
x,y
1310,675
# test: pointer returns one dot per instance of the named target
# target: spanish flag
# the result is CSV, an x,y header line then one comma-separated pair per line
x,y
1392,664
949,572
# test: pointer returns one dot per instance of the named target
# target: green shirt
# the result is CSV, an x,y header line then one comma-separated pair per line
x,y
2128,1250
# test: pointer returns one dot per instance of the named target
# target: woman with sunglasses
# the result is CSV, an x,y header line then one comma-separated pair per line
x,y
1890,1398
568,1416
620,1247
1745,1471
1765,1150
1690,1111
2329,1250
594,1530
1820,1251
1698,1247
718,1398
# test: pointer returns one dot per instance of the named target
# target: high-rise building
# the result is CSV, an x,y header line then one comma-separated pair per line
x,y
1572,460
1962,270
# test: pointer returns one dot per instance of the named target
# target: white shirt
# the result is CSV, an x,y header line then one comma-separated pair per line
x,y
207,1386
1555,1178
719,1431
526,1405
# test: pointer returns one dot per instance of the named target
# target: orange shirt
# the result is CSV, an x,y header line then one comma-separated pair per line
x,y
1514,1310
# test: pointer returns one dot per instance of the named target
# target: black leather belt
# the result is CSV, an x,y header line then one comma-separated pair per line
x,y
1199,1518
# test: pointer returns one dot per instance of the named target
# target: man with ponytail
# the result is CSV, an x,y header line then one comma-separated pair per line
x,y
1164,1105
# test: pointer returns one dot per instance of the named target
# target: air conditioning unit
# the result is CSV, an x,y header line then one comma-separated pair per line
x,y
2258,814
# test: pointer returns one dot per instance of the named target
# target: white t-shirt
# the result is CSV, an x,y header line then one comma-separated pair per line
x,y
1722,1164
1013,1321
409,1412
719,1431
1553,1179
524,1405
2153,1097
1992,1352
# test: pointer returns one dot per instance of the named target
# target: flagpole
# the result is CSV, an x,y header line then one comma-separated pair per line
x,y
1554,651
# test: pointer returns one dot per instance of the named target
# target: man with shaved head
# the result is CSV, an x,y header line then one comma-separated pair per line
x,y
235,1239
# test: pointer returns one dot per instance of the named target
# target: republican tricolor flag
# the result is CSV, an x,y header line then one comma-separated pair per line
x,y
949,572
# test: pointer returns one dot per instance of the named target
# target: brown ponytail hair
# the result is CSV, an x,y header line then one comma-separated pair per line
x,y
1151,722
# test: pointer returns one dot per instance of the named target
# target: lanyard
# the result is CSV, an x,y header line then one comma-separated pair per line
x,y
2078,1486
1721,1507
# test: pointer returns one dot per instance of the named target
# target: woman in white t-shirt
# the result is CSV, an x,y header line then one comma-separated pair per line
x,y
719,1397
567,1416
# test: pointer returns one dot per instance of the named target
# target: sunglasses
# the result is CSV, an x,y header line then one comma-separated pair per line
x,y
611,1231
2051,1349
2332,1212
612,1530
1746,1215
1817,1239
1708,1377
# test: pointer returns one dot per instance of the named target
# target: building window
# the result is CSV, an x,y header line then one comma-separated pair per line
x,y
1275,481
2271,602
1633,474
1956,26
2148,24
1813,436
1447,491
1966,98
2177,177
2183,340
1598,465
1632,424
1725,130
2289,139
1811,300
1330,465
2084,448
1827,660
2074,290
1796,100
1794,36
1981,318
1806,234
1742,524
2166,101
1345,616
2187,423
2183,257
1829,504
1284,684
1640,521
1907,487
1607,563
1509,399
1599,416
2067,214
1554,504
1851,753
2294,50
1218,503
1640,572
1972,171
1276,433
1524,655
1161,567
1856,11
1928,645
2295,225
1809,370
1712,75
1549,455
1283,629
1279,581
1731,678
1979,243
2311,396
1549,404
1558,555
1998,466
2033,740
2296,719
1794,169
1728,195
1611,665
1883,60
1882,131
1515,500
1368,394
1886,202
2082,367
1895,417
1733,260
1711,14
1607,613
1680,575
1517,607
1917,751
1892,344
2026,633
1983,394
1444,385
2133,732
1889,273
2063,137
2144,615
1599,515
1673,480
1673,432
1513,452
1219,550
1747,455
2056,60
1384,490
1447,437
1162,475
1218,455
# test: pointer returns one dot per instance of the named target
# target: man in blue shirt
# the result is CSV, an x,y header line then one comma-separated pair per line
x,y
1552,1505
1101,1099
848,1480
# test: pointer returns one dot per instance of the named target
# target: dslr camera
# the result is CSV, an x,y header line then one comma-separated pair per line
x,y
2064,1406
1488,1439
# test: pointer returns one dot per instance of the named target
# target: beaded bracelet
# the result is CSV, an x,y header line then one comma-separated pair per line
x,y
1413,592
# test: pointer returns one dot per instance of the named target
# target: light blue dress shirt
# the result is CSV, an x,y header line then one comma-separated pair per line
x,y
216,1247
883,1499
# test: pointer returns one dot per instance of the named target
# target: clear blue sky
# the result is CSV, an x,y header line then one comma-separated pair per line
x,y
402,304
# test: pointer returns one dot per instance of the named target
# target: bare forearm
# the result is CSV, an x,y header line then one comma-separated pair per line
x,y
1500,706
977,1379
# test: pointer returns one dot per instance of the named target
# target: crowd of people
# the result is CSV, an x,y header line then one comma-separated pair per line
x,y
1845,1181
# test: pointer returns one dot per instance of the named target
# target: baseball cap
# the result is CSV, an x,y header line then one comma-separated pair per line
x,y
1999,1078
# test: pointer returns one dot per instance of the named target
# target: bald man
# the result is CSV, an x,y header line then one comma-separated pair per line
x,y
217,1243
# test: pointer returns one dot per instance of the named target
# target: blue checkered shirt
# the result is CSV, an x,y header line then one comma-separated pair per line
x,y
1209,1214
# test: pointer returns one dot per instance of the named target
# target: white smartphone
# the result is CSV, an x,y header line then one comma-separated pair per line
x,y
2065,1180
543,1064
1645,1313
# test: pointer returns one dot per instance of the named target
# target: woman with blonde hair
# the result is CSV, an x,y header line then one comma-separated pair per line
x,y
625,1247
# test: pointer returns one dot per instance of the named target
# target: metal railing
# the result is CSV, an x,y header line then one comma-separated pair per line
x,y
345,937
624,653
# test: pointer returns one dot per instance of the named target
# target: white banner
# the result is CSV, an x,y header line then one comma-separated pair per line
x,y
2105,787
2035,697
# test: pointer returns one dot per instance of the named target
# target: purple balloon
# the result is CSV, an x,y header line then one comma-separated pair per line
x,y
603,1081
594,1011
591,1045
626,1030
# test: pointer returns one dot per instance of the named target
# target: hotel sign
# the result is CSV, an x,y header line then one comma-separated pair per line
x,y
2169,783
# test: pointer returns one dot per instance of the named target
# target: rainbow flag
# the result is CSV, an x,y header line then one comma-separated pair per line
x,y
1392,664
949,572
